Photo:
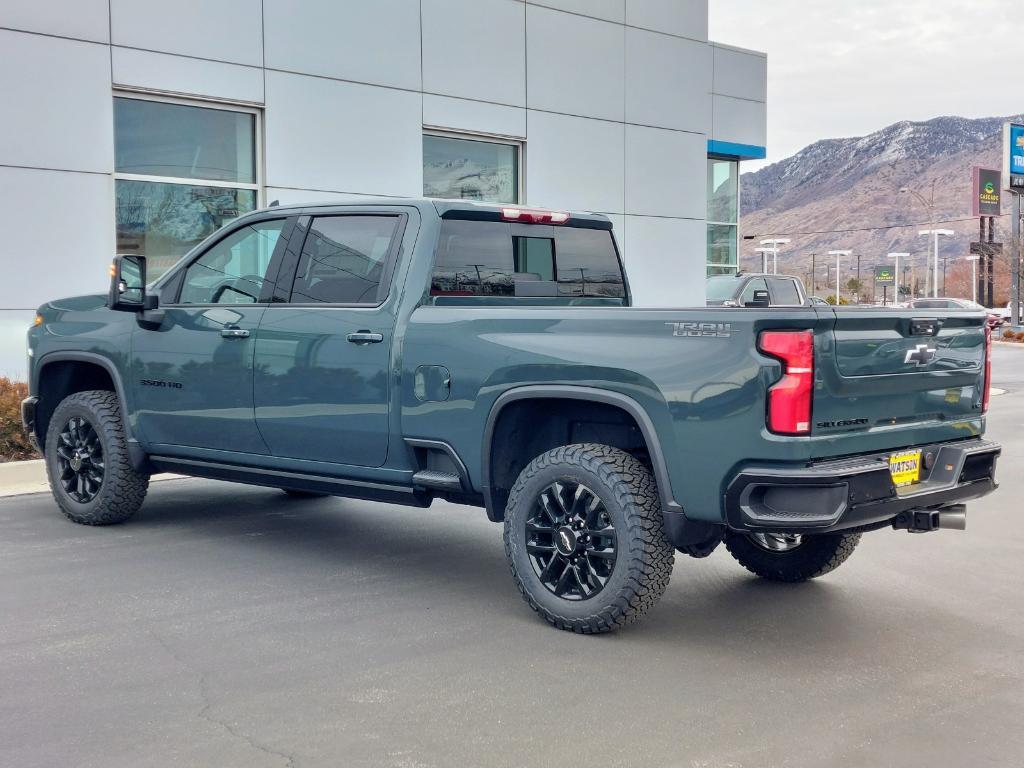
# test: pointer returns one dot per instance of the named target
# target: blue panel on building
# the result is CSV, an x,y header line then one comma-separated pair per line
x,y
732,149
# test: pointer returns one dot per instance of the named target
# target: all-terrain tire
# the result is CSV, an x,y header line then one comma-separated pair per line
x,y
644,556
294,494
122,489
815,556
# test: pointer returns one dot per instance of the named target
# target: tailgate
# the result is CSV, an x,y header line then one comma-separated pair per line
x,y
897,378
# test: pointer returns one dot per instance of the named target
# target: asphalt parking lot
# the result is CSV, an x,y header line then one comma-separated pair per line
x,y
231,626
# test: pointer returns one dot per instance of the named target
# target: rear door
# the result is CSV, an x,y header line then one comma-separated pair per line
x,y
899,378
324,346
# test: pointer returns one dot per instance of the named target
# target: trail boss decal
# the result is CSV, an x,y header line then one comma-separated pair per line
x,y
704,330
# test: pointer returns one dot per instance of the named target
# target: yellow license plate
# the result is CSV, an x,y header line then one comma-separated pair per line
x,y
905,468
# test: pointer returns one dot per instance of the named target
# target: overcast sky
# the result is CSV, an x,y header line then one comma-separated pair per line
x,y
849,67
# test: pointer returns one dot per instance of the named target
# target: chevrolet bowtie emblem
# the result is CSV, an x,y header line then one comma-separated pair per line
x,y
922,354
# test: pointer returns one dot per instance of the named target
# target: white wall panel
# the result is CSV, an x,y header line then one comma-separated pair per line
x,y
304,196
739,120
688,18
666,173
574,64
330,135
59,230
62,115
741,74
665,261
668,81
475,49
574,163
374,41
181,74
84,19
610,10
14,325
227,30
477,116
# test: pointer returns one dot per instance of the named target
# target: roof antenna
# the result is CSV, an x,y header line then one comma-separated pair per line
x,y
276,202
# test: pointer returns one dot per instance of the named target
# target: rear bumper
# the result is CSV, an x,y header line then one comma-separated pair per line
x,y
28,419
857,492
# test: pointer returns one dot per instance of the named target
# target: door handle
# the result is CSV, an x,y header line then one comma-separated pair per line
x,y
234,333
365,337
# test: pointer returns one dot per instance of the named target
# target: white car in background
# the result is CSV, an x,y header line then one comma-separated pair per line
x,y
1004,312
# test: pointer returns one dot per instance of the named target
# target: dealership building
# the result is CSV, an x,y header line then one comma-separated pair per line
x,y
140,126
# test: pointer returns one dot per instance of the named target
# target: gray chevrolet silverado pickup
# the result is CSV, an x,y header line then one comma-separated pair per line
x,y
407,350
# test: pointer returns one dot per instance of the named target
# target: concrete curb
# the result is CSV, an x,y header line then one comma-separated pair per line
x,y
18,478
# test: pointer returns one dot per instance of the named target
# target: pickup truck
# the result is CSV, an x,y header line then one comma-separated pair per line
x,y
755,290
408,350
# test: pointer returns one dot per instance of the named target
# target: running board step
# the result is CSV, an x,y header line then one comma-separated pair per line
x,y
431,478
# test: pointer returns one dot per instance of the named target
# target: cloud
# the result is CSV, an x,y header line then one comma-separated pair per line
x,y
843,68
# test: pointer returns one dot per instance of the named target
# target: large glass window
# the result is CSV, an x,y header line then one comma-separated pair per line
x,y
344,260
723,216
180,173
470,169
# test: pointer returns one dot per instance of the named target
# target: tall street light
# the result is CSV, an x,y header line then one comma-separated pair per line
x,y
838,255
773,244
974,277
764,258
935,255
898,256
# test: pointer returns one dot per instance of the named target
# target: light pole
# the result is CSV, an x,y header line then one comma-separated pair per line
x,y
838,255
935,256
974,277
764,258
896,271
773,244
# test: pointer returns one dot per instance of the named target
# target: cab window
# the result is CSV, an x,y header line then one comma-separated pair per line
x,y
233,270
756,284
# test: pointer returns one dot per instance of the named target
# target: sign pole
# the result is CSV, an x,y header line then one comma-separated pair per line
x,y
1015,266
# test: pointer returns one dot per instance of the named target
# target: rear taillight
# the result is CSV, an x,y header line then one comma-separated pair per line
x,y
534,216
789,399
986,391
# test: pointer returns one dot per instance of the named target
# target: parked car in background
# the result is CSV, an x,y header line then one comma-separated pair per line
x,y
756,290
817,301
993,319
1004,313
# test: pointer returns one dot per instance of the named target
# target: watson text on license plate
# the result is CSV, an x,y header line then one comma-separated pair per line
x,y
905,467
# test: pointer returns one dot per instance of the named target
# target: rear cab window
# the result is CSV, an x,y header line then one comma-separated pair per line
x,y
500,262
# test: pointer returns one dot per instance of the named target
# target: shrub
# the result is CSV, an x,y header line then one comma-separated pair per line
x,y
14,444
1009,335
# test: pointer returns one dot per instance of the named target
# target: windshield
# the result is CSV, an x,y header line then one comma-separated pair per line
x,y
722,287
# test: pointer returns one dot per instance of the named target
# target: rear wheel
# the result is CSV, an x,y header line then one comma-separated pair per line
x,y
90,473
791,557
585,539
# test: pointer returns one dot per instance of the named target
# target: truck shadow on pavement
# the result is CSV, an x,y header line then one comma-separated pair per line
x,y
451,557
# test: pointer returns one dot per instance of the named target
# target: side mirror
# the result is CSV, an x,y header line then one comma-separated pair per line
x,y
760,299
128,284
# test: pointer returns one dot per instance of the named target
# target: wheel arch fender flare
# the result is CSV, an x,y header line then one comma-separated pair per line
x,y
576,392
138,456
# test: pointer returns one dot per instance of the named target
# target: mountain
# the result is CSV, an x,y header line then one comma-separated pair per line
x,y
854,184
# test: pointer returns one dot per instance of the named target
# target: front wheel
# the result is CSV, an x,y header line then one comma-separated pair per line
x,y
585,540
91,475
791,557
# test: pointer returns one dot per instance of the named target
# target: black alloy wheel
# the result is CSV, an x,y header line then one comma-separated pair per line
x,y
80,460
570,541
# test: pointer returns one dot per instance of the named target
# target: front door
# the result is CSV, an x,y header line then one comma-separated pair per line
x,y
323,351
192,375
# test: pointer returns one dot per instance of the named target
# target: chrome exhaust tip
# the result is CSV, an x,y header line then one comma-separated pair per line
x,y
954,518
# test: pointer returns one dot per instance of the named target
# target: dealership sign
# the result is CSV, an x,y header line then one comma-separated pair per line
x,y
1013,153
885,275
986,184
